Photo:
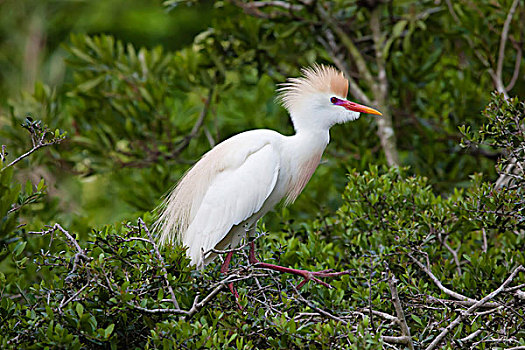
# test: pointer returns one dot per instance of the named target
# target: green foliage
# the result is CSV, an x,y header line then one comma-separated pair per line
x,y
128,106
103,288
503,131
144,100
111,289
33,31
13,199
105,262
123,104
389,218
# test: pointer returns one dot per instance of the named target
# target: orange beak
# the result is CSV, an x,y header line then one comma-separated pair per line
x,y
352,106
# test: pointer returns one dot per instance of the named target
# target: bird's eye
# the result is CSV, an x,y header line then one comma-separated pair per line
x,y
334,99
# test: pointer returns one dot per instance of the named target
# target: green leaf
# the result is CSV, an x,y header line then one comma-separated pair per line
x,y
109,330
29,187
398,28
40,185
83,56
90,84
417,319
79,309
19,248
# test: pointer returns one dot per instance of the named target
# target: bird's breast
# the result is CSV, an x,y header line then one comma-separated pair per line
x,y
302,170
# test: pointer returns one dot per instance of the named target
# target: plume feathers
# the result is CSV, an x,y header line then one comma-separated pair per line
x,y
315,79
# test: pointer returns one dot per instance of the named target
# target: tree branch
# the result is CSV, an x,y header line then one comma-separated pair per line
x,y
501,54
36,147
276,3
320,311
517,65
331,48
444,289
197,124
353,51
385,125
470,310
163,264
399,310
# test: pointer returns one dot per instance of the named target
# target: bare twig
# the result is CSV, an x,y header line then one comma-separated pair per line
x,y
464,303
158,310
470,310
210,138
28,153
471,336
438,283
196,306
454,253
64,303
37,142
506,176
493,341
69,237
3,153
129,239
76,258
484,247
185,142
501,54
331,48
399,310
370,272
163,264
517,65
386,316
253,8
239,248
276,3
319,310
351,48
397,340
385,124
452,12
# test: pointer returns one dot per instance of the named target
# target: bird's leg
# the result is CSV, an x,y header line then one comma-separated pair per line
x,y
224,268
307,275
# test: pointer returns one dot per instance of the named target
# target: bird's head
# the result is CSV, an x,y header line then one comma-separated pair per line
x,y
317,100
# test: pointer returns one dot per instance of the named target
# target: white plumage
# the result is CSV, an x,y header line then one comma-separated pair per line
x,y
221,198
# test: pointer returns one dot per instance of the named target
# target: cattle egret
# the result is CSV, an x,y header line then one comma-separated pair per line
x,y
221,198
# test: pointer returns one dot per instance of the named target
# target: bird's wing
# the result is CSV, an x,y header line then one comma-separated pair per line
x,y
233,196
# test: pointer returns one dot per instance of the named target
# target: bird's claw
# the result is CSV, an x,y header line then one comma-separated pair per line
x,y
235,294
310,276
233,290
316,280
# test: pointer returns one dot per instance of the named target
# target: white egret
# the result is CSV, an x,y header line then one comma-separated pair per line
x,y
221,198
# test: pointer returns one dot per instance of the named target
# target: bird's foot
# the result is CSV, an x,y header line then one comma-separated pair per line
x,y
235,294
307,275
224,269
233,290
312,276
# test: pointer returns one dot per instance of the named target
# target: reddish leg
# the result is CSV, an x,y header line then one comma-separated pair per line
x,y
224,268
307,275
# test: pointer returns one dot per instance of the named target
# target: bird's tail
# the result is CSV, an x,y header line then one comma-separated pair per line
x,y
171,219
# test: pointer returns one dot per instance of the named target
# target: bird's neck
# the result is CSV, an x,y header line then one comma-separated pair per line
x,y
307,147
310,139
